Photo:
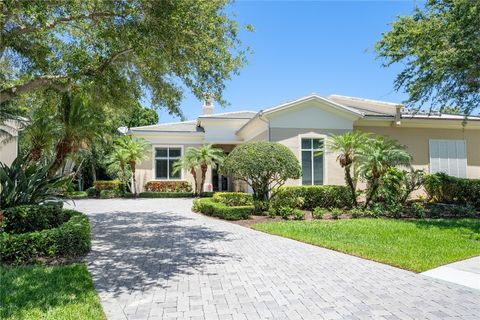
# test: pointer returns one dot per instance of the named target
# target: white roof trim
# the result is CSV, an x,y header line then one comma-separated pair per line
x,y
215,115
162,124
393,104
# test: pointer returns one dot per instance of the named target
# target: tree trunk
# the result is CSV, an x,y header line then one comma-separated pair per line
x,y
194,174
348,177
94,172
132,167
63,148
204,168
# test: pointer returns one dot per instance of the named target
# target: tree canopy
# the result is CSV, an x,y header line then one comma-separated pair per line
x,y
440,47
118,49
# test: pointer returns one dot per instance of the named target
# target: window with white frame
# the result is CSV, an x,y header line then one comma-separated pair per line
x,y
312,161
448,156
164,159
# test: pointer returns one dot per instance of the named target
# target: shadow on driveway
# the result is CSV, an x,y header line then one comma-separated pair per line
x,y
136,251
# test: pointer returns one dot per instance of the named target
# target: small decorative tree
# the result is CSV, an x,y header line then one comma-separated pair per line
x,y
347,146
130,151
201,158
264,166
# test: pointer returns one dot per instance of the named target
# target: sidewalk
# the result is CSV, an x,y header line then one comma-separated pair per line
x,y
466,273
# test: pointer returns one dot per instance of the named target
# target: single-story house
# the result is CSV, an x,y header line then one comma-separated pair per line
x,y
437,142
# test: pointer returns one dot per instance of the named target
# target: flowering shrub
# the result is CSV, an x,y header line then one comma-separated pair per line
x,y
168,186
107,185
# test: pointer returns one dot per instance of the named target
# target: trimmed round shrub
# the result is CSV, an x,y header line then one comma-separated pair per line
x,y
233,198
48,233
217,209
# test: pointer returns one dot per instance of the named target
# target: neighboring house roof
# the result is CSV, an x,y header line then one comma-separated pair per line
x,y
184,126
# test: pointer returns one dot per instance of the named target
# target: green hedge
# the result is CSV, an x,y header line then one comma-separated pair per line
x,y
71,238
28,218
324,196
107,185
77,195
447,189
216,209
148,194
109,194
234,198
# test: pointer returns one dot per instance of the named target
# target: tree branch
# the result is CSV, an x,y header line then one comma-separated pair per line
x,y
52,80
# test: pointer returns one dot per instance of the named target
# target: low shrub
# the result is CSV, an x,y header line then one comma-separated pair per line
x,y
77,195
418,210
28,218
318,213
298,214
207,194
447,189
168,186
128,195
216,209
71,238
148,194
285,212
437,210
233,198
109,194
312,197
107,185
92,192
336,212
356,213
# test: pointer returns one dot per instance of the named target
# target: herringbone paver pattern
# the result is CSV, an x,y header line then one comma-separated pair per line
x,y
155,259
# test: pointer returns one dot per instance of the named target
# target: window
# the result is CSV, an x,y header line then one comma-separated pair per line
x,y
448,156
164,160
312,162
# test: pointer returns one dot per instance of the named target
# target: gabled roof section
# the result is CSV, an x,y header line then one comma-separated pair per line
x,y
313,97
184,126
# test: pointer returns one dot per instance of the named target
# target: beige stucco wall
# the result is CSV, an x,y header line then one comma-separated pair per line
x,y
8,150
417,142
291,137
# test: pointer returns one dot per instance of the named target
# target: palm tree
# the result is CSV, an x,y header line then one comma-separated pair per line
x,y
347,146
199,158
375,158
80,122
188,162
40,135
132,151
207,156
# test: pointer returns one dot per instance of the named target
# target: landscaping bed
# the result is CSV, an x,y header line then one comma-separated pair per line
x,y
226,205
48,292
416,245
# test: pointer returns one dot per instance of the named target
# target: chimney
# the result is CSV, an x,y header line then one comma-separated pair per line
x,y
208,104
398,115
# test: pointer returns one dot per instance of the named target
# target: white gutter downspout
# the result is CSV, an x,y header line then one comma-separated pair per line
x,y
260,116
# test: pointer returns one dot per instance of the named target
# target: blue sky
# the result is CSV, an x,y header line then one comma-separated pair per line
x,y
304,47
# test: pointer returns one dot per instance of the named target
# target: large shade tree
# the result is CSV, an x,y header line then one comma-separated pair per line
x,y
119,50
439,46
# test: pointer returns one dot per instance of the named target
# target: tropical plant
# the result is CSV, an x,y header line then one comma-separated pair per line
x,y
188,162
40,135
347,146
265,166
130,151
375,158
28,183
206,156
80,124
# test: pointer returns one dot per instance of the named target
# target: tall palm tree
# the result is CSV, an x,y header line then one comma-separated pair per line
x,y
132,151
80,122
40,135
347,146
188,162
375,158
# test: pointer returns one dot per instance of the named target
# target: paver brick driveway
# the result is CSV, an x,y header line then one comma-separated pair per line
x,y
155,259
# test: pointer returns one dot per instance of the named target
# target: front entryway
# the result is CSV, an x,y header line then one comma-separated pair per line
x,y
219,181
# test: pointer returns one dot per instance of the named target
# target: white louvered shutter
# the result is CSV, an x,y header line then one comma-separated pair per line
x,y
448,156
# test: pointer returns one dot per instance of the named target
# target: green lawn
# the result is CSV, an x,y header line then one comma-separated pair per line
x,y
39,292
416,245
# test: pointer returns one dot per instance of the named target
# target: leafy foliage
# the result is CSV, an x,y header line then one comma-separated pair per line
x,y
107,185
444,188
155,194
119,48
440,48
263,165
233,199
310,197
347,146
217,209
24,183
168,186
